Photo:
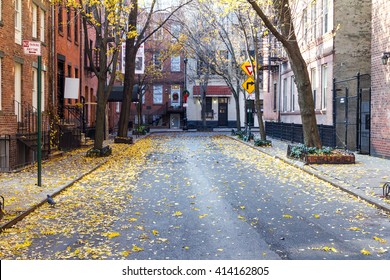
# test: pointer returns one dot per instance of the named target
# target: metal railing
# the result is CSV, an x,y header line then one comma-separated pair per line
x,y
294,132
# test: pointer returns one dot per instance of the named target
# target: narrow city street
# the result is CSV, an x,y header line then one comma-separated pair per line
x,y
198,196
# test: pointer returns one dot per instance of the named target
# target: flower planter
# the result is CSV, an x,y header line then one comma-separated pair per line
x,y
123,140
330,159
334,157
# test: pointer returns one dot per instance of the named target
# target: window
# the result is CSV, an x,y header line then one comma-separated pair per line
x,y
1,10
209,107
284,109
76,28
314,85
60,20
325,17
175,31
275,95
158,35
313,18
18,90
157,61
118,107
34,88
18,22
175,64
42,23
43,79
68,26
304,24
292,93
157,94
34,21
324,85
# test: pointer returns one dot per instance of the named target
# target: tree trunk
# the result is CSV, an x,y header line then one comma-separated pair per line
x,y
100,114
131,51
289,41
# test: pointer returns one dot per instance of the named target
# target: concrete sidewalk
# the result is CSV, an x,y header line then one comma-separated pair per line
x,y
364,179
22,196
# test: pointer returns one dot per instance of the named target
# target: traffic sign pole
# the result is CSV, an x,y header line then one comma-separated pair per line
x,y
39,121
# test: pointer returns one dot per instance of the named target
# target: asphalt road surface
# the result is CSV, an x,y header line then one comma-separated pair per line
x,y
201,197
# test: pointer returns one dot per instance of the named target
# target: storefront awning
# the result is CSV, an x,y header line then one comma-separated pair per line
x,y
214,91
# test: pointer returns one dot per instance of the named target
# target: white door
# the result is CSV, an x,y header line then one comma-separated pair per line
x,y
18,90
175,121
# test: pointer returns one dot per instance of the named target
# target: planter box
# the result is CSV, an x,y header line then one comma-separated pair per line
x,y
329,159
335,157
122,140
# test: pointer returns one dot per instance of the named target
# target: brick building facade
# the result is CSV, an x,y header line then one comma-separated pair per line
x,y
21,20
380,96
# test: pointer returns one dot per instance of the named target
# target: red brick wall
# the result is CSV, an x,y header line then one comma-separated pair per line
x,y
380,80
13,52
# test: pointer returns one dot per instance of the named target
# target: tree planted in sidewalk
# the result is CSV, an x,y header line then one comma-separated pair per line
x,y
104,25
280,23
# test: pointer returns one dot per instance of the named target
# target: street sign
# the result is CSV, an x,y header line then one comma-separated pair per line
x,y
32,47
249,84
247,68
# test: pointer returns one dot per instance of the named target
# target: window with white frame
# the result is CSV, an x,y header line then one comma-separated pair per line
x,y
325,16
314,85
118,107
175,64
292,93
284,104
324,85
18,22
313,19
43,92
158,35
157,94
18,90
35,88
42,22
34,21
1,10
304,24
157,61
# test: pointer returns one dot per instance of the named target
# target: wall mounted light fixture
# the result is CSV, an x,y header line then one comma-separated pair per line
x,y
385,57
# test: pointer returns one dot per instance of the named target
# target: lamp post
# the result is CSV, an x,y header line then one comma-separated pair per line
x,y
185,92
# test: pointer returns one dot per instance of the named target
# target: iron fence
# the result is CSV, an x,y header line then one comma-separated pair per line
x,y
294,132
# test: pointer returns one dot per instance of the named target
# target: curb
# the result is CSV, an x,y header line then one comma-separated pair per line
x,y
33,208
379,204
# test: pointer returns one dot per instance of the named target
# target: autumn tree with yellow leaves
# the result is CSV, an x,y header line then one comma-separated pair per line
x,y
104,23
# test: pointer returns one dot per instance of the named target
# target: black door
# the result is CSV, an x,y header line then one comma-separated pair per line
x,y
222,112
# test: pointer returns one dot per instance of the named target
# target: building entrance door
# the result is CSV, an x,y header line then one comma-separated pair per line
x,y
175,121
222,112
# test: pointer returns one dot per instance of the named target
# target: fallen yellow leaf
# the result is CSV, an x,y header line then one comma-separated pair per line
x,y
202,216
155,232
365,252
177,214
137,249
287,216
381,240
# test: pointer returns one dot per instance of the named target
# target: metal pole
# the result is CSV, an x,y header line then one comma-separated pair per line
x,y
39,122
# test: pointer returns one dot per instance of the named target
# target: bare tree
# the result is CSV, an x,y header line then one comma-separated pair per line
x,y
280,24
132,46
